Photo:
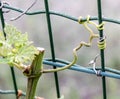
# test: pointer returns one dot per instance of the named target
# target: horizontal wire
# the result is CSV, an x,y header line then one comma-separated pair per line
x,y
109,72
13,92
10,92
62,15
62,63
97,68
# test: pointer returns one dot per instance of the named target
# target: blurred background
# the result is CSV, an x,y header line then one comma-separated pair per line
x,y
67,34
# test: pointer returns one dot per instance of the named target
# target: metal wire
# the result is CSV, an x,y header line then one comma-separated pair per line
x,y
92,18
12,69
9,92
109,72
102,50
52,46
105,72
13,19
2,20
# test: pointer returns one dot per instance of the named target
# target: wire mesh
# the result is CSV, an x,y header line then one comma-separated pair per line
x,y
53,61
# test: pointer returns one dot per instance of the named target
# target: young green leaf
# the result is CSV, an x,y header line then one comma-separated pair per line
x,y
16,49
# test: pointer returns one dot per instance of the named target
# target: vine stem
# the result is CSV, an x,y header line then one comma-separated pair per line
x,y
34,74
82,43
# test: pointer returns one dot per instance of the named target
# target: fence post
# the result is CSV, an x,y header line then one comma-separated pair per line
x,y
102,50
52,45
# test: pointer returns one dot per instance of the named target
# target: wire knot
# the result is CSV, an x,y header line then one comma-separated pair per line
x,y
102,43
93,62
2,6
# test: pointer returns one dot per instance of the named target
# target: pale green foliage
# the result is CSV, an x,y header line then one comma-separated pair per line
x,y
16,49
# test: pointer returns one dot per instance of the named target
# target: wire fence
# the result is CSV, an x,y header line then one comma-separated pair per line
x,y
53,61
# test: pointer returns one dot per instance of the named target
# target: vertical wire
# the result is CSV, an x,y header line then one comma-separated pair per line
x,y
102,50
2,20
52,45
12,69
14,81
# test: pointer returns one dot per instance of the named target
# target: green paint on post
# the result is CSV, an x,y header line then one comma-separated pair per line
x,y
52,46
102,50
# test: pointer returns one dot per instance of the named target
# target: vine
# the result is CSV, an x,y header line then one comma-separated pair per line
x,y
16,50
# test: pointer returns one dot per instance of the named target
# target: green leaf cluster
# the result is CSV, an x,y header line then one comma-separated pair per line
x,y
15,48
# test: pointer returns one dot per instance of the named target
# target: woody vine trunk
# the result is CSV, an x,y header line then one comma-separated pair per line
x,y
35,73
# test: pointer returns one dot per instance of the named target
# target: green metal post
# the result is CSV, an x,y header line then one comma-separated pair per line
x,y
102,50
14,81
52,45
2,20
